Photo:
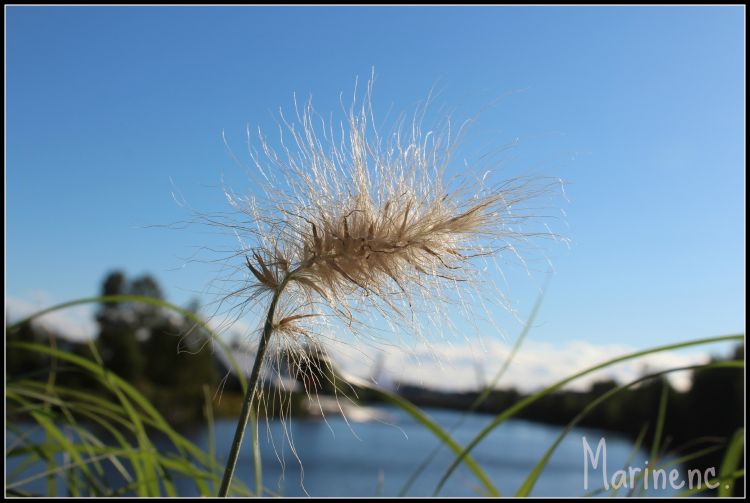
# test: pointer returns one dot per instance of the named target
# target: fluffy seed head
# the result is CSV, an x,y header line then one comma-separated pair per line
x,y
349,223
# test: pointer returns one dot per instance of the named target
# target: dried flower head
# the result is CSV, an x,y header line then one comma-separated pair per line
x,y
368,223
349,233
352,227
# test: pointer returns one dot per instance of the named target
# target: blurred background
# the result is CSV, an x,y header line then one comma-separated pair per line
x,y
123,123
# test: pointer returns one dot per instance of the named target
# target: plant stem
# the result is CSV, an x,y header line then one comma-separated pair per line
x,y
249,396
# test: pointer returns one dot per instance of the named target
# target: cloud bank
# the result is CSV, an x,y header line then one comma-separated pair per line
x,y
458,366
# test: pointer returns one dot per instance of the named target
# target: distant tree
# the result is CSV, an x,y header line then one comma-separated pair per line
x,y
148,316
146,286
179,363
609,412
117,340
717,396
162,355
715,409
20,362
114,284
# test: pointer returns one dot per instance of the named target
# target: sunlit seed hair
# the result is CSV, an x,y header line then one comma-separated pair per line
x,y
350,224
348,230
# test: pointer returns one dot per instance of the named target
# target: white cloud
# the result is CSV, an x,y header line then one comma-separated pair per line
x,y
78,322
75,323
441,365
536,365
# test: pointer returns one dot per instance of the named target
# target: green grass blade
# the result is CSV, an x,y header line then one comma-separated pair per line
x,y
715,482
485,392
730,462
208,412
514,350
633,452
123,391
528,484
179,442
255,429
513,410
660,419
436,430
111,299
656,446
68,447
80,462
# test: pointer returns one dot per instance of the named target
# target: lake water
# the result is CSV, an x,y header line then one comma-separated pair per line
x,y
377,457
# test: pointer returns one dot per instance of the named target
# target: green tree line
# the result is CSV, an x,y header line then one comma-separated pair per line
x,y
166,356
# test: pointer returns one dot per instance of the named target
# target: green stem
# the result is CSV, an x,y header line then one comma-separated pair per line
x,y
250,394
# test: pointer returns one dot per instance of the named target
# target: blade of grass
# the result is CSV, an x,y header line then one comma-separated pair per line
x,y
59,437
80,462
96,409
658,432
111,299
239,372
628,462
175,464
631,457
513,410
51,481
114,384
674,462
151,417
256,454
128,451
118,437
208,412
528,484
51,399
679,461
436,430
115,412
24,446
487,390
660,418
731,461
716,482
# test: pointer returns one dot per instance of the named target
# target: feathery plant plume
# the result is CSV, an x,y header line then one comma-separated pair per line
x,y
352,225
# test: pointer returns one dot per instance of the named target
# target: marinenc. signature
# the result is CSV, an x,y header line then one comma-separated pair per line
x,y
633,477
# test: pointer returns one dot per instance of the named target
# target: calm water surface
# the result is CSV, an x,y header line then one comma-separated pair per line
x,y
377,457
336,458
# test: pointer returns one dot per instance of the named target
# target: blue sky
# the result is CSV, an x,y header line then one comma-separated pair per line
x,y
641,110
